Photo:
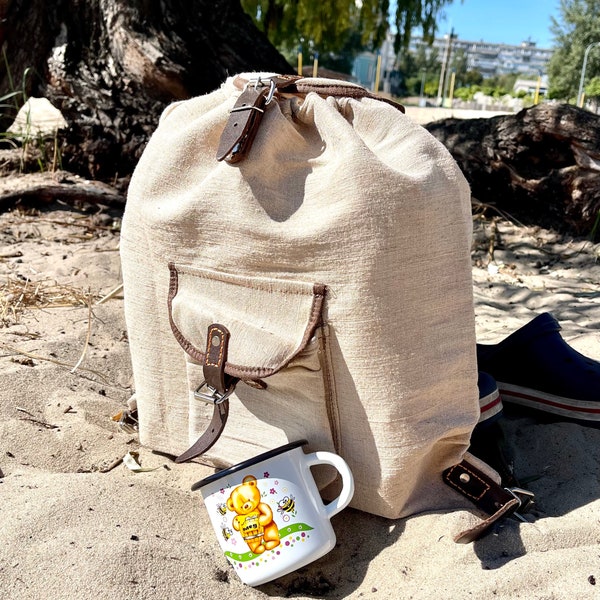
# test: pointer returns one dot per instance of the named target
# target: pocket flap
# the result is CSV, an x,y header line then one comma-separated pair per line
x,y
270,320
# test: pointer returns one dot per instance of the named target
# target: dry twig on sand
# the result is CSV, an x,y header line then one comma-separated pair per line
x,y
18,294
14,350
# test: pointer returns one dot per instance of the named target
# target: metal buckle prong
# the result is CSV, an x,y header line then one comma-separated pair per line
x,y
271,93
127,421
212,396
526,500
259,82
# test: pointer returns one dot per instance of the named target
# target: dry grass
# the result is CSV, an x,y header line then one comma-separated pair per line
x,y
18,294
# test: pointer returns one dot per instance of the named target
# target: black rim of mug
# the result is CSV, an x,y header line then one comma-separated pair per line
x,y
247,463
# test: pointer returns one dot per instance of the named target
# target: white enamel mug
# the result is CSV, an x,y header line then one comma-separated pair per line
x,y
268,514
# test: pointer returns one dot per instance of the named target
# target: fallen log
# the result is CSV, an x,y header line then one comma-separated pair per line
x,y
36,188
540,166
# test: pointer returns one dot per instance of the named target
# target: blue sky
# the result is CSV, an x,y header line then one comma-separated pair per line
x,y
501,21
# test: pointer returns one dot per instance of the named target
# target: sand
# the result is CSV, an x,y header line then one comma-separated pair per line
x,y
75,523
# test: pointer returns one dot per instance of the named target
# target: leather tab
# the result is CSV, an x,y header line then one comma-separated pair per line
x,y
485,493
474,533
243,123
217,342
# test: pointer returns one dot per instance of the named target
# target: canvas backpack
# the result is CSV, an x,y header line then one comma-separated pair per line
x,y
296,263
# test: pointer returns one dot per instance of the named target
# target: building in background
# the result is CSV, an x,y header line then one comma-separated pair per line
x,y
531,86
492,59
489,59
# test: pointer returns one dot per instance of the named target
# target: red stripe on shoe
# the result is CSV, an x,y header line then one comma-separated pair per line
x,y
560,405
491,405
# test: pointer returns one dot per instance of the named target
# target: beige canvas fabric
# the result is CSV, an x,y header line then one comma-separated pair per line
x,y
337,192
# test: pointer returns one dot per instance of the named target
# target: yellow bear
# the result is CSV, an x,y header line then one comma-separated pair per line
x,y
254,519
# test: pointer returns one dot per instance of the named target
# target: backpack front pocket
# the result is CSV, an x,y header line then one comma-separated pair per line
x,y
278,349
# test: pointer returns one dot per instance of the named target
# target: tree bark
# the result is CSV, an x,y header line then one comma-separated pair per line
x,y
540,166
111,66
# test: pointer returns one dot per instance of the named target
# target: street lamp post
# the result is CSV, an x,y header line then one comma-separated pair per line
x,y
585,58
449,38
422,92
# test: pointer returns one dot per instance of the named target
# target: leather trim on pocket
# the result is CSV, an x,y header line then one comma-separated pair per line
x,y
271,320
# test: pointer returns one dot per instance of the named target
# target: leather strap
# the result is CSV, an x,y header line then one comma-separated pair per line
x,y
210,436
486,494
219,387
243,123
327,88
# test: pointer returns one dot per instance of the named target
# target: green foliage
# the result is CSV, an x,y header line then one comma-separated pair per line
x,y
595,228
578,27
416,67
11,102
502,84
326,25
340,28
465,93
423,60
592,89
411,14
431,88
471,78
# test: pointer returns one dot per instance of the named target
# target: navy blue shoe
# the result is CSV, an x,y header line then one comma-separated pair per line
x,y
490,403
487,440
535,368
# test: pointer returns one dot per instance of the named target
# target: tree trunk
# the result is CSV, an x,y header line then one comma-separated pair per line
x,y
540,166
111,66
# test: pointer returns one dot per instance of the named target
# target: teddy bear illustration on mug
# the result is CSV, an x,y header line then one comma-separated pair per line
x,y
254,519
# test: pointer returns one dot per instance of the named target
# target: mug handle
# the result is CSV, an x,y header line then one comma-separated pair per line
x,y
335,506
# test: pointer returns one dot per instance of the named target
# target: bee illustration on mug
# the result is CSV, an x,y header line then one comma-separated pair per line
x,y
286,507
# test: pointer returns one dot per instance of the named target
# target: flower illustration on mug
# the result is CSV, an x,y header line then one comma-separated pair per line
x,y
266,475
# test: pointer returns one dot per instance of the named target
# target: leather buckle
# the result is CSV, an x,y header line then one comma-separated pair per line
x,y
526,500
127,420
259,82
212,396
